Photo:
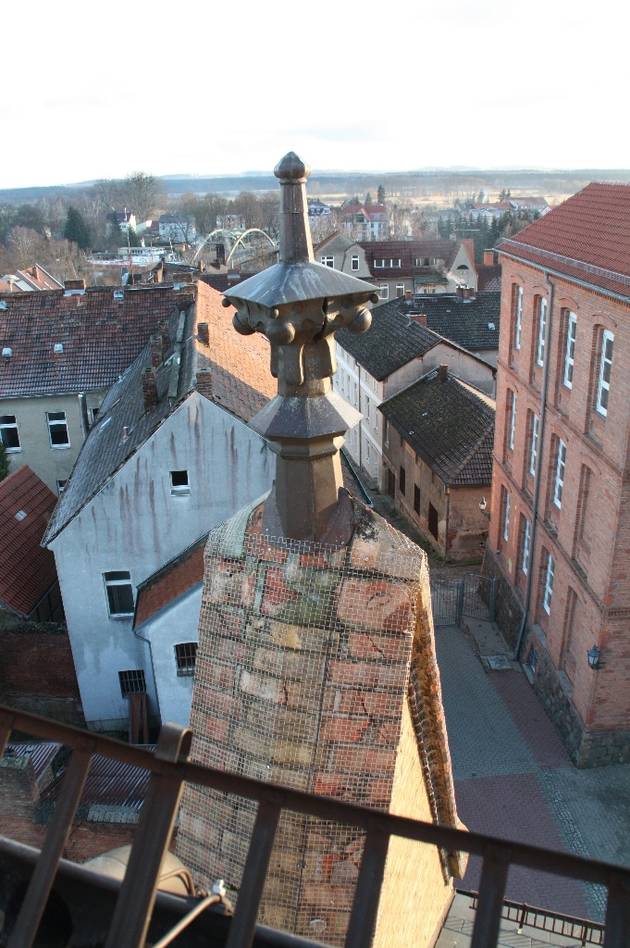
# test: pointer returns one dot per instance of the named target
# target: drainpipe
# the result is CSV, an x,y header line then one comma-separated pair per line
x,y
360,420
537,479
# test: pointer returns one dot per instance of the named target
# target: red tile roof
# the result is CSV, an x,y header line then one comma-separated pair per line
x,y
101,336
173,580
586,237
26,570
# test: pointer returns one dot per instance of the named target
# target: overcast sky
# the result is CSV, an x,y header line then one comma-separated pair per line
x,y
94,90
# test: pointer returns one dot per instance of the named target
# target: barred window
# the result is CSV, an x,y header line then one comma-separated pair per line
x,y
132,682
185,656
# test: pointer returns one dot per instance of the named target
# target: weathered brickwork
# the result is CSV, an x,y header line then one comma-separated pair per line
x,y
310,661
588,532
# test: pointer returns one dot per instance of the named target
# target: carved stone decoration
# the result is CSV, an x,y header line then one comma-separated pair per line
x,y
298,305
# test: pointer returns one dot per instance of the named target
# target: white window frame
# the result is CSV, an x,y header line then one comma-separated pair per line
x,y
327,261
512,435
526,547
61,486
569,350
379,264
558,483
10,426
54,423
354,262
533,444
400,287
549,577
604,361
506,515
110,583
518,318
542,331
383,291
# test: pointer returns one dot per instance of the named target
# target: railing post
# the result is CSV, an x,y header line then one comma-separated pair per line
x,y
136,898
368,889
617,927
494,870
32,909
243,924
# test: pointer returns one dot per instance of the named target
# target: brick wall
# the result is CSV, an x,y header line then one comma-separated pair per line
x,y
37,671
588,536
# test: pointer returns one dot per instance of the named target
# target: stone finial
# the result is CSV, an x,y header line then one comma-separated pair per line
x,y
298,305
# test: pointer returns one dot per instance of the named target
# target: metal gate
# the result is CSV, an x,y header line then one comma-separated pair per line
x,y
453,598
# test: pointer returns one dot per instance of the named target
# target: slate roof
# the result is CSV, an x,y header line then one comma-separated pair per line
x,y
101,336
449,424
392,341
27,571
170,582
232,371
586,237
472,323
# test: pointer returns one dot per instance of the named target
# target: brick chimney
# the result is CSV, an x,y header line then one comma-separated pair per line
x,y
149,388
490,258
155,344
316,663
443,373
202,334
465,292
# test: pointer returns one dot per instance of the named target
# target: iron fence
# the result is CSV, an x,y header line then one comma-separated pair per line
x,y
456,597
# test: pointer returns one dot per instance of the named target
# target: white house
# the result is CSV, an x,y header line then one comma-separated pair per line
x,y
377,365
179,229
170,456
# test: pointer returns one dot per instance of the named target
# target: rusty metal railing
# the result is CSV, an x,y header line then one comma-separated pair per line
x,y
169,770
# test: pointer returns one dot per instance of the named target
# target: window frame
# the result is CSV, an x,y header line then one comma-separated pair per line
x,y
559,473
542,331
518,316
402,480
526,544
512,431
180,490
602,384
383,291
132,676
400,286
505,515
354,259
324,261
54,423
569,349
534,437
183,663
10,426
416,499
550,573
112,583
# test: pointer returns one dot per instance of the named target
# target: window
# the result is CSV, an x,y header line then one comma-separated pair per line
x,y
533,445
402,480
548,588
61,486
542,331
518,316
400,289
433,521
132,682
416,498
119,593
505,514
396,263
179,482
354,262
58,429
383,292
328,261
379,264
93,415
512,432
569,350
558,483
605,366
185,655
526,539
9,433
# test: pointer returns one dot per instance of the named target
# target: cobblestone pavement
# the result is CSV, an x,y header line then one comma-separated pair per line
x,y
514,779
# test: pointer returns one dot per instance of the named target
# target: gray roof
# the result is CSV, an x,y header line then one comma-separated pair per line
x,y
472,324
449,425
392,341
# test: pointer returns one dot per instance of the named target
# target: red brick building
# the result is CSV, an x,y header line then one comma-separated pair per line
x,y
560,530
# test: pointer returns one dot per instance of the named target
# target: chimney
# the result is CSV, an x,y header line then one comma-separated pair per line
x,y
465,293
490,258
443,373
149,388
202,333
155,343
420,318
74,286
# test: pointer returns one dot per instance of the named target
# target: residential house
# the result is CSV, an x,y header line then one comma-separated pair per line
x,y
28,280
560,522
490,212
178,229
28,579
468,319
438,444
170,456
399,268
364,221
373,367
60,351
124,220
317,209
535,205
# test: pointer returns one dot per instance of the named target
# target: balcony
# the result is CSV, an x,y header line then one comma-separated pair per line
x,y
77,906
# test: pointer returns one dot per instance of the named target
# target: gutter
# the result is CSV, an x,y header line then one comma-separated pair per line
x,y
593,287
537,477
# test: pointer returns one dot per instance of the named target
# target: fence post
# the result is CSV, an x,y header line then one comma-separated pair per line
x,y
460,601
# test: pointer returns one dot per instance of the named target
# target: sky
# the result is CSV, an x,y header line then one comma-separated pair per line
x,y
101,90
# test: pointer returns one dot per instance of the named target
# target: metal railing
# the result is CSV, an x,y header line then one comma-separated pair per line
x,y
581,930
169,770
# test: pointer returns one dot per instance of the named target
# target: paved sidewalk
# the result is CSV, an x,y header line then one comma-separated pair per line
x,y
513,777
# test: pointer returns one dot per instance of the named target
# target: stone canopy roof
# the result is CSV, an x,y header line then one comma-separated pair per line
x,y
449,424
